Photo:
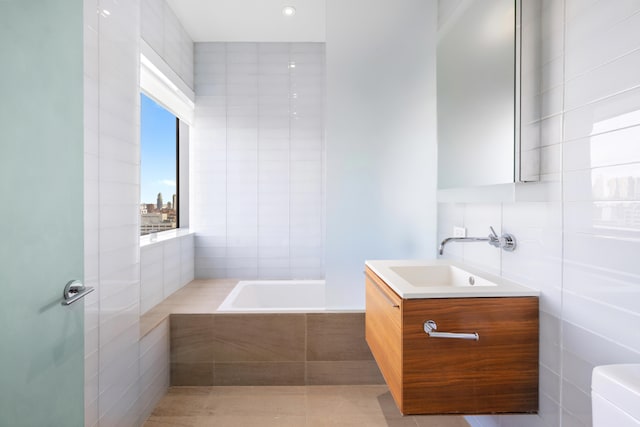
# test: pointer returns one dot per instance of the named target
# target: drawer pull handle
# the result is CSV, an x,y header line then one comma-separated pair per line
x,y
384,294
430,328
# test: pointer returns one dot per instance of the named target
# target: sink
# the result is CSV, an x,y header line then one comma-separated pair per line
x,y
439,275
443,279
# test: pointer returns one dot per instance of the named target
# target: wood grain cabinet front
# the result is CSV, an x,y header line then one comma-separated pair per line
x,y
498,373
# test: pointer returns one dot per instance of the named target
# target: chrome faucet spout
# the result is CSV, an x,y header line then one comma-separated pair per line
x,y
462,239
506,241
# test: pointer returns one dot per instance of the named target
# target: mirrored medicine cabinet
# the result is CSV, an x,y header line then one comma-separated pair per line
x,y
480,102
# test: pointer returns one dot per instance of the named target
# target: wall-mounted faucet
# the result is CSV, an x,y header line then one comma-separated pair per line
x,y
506,241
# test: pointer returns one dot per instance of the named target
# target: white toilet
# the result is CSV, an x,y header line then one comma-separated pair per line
x,y
615,395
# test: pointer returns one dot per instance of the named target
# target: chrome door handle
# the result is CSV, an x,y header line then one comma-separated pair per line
x,y
73,291
430,328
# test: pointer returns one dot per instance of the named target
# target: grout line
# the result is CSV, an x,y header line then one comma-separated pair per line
x,y
562,224
289,149
99,216
226,158
258,56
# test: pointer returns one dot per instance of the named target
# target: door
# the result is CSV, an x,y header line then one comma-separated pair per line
x,y
41,212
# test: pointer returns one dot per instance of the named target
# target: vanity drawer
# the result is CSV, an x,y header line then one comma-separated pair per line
x,y
498,373
478,355
383,322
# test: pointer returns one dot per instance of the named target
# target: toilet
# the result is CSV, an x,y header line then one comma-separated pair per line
x,y
615,395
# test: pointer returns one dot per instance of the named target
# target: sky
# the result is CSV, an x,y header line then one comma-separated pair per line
x,y
157,152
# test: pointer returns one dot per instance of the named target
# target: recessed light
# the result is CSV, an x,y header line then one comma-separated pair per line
x,y
288,11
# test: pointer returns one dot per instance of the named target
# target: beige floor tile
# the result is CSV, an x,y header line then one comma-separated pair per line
x,y
257,390
196,391
259,373
267,405
388,405
155,421
345,372
259,421
345,400
372,420
183,402
287,406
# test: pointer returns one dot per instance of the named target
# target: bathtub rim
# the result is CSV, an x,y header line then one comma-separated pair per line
x,y
226,305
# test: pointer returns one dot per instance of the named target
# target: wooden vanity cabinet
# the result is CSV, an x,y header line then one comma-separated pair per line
x,y
496,374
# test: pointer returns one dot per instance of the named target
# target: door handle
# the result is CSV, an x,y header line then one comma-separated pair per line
x,y
73,291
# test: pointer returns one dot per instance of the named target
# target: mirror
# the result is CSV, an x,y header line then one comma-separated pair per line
x,y
478,95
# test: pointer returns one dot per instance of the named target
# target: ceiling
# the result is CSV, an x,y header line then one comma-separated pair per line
x,y
251,20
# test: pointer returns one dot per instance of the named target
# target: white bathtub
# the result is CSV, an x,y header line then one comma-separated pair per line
x,y
275,296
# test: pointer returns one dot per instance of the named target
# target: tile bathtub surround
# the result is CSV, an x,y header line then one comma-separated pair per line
x,y
257,161
270,349
199,296
577,247
311,406
165,267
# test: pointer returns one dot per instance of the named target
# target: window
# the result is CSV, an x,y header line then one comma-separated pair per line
x,y
158,167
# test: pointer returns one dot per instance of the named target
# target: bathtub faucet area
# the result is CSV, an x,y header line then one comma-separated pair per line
x,y
506,241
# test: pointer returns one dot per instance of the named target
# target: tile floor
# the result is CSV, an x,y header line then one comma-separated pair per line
x,y
284,406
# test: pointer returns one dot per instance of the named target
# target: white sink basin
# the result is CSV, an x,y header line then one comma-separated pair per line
x,y
443,279
439,275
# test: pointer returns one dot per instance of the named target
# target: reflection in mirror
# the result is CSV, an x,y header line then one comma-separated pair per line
x,y
478,96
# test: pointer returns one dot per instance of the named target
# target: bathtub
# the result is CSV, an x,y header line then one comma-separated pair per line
x,y
275,296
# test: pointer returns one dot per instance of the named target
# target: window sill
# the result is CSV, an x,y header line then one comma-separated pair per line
x,y
163,236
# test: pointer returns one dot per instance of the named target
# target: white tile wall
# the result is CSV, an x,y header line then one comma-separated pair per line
x,y
154,368
577,250
165,267
258,160
119,278
123,376
162,30
151,276
111,199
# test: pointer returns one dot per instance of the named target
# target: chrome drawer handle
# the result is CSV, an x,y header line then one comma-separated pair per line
x,y
430,328
384,294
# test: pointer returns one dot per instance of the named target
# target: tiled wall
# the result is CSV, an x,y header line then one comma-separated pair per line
x,y
154,368
270,349
578,245
165,267
118,383
111,213
161,29
257,160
